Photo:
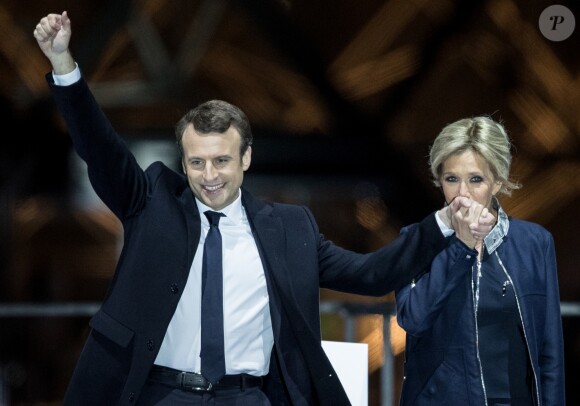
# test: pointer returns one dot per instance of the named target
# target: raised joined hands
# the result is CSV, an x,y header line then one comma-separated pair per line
x,y
470,220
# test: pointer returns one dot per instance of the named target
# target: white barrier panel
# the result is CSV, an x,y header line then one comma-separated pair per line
x,y
350,361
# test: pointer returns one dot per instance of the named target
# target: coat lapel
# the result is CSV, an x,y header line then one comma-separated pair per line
x,y
192,221
270,238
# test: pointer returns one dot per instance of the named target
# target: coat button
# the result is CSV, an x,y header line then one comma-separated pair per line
x,y
174,288
150,345
131,397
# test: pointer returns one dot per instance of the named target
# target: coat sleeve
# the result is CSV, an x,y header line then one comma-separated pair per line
x,y
113,171
386,269
551,357
420,302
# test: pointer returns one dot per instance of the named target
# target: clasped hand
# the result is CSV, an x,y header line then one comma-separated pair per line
x,y
470,220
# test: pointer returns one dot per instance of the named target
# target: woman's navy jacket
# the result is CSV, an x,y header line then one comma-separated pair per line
x,y
438,314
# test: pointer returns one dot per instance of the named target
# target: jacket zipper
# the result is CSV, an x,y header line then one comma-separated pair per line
x,y
539,402
476,306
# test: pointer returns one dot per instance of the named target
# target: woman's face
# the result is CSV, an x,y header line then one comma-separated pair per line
x,y
468,174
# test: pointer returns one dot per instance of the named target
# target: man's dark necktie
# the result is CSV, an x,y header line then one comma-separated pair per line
x,y
213,365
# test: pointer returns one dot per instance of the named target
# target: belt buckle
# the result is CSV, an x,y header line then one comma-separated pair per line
x,y
195,382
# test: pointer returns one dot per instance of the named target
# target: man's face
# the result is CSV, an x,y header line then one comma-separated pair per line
x,y
213,165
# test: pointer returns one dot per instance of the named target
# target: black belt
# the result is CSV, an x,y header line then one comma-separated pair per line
x,y
192,382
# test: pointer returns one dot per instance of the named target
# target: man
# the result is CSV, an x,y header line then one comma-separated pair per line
x,y
145,342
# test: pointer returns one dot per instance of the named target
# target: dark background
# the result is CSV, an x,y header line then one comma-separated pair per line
x,y
344,97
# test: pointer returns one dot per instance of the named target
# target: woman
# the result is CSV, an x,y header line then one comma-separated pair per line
x,y
484,326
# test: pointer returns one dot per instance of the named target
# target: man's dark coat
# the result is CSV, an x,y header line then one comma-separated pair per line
x,y
162,228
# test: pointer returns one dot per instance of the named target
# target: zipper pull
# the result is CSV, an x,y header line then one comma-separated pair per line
x,y
504,287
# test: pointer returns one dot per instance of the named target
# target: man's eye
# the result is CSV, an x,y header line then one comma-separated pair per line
x,y
221,162
196,164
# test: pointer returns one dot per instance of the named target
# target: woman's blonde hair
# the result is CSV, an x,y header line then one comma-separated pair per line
x,y
482,135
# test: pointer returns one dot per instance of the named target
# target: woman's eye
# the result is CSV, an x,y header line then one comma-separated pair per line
x,y
451,179
476,179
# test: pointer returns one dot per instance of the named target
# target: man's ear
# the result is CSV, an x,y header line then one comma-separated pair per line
x,y
247,159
